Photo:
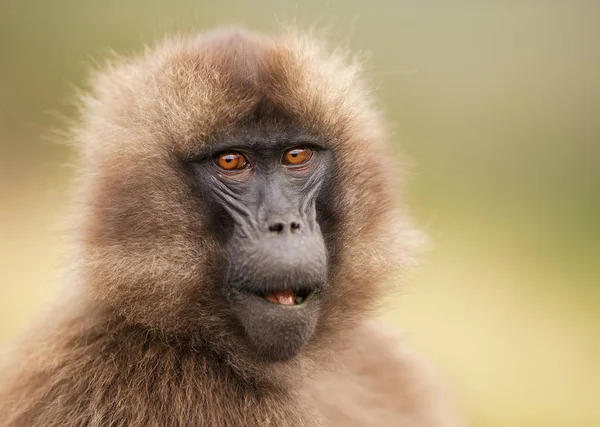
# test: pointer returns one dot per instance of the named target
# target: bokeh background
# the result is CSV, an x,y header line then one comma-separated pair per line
x,y
497,104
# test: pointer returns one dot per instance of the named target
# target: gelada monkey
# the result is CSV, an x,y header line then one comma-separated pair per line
x,y
237,226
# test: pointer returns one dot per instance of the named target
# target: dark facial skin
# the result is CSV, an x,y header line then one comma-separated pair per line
x,y
264,193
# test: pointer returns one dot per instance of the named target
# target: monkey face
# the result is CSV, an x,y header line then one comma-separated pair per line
x,y
238,195
263,190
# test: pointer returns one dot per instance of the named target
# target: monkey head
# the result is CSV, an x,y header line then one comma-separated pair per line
x,y
237,194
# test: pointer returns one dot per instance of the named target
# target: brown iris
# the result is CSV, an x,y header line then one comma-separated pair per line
x,y
231,161
297,156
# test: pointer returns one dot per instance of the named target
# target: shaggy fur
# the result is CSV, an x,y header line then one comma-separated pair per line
x,y
144,341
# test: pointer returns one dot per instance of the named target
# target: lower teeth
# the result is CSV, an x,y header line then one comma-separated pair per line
x,y
288,297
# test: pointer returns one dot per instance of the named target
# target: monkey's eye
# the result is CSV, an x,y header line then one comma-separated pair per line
x,y
231,161
297,156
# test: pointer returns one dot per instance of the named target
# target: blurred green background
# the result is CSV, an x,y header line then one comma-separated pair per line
x,y
498,105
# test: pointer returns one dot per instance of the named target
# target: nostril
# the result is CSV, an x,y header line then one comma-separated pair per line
x,y
280,227
295,226
276,228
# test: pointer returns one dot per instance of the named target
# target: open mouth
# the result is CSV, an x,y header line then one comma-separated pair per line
x,y
289,297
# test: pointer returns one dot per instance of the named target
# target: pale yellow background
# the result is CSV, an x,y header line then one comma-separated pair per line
x,y
496,102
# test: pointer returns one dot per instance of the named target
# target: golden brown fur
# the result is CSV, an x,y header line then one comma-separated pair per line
x,y
142,341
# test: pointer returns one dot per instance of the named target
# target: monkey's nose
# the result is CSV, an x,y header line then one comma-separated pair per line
x,y
280,227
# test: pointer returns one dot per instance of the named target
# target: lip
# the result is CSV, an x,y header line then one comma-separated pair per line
x,y
274,331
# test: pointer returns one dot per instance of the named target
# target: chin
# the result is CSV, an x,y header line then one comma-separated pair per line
x,y
277,324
